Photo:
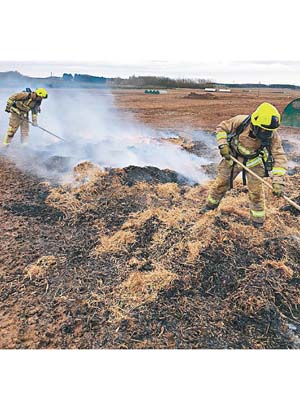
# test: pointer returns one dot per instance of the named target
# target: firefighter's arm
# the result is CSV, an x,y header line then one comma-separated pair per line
x,y
227,127
34,113
14,98
221,135
280,161
34,119
10,102
279,165
223,129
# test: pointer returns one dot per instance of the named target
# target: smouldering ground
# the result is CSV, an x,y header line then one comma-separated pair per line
x,y
122,258
117,264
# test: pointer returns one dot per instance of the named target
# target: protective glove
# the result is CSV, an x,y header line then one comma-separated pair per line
x,y
7,108
277,189
34,122
225,151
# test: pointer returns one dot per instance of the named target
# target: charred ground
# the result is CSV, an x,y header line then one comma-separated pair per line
x,y
114,263
122,259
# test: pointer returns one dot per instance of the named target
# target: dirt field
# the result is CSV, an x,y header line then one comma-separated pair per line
x,y
175,110
123,259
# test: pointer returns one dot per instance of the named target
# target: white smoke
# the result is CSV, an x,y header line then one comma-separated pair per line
x,y
95,130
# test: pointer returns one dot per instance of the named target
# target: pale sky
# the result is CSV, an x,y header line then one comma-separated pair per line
x,y
216,34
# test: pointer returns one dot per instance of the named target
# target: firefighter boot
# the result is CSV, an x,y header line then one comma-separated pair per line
x,y
257,225
6,141
207,207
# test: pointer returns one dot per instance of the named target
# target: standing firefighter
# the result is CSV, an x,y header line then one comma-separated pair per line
x,y
254,141
19,105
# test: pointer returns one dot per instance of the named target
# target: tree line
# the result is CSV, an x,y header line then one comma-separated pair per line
x,y
160,82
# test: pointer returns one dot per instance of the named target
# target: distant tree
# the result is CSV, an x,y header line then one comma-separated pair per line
x,y
67,77
162,82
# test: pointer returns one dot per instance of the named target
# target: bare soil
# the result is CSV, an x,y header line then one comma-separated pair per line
x,y
177,110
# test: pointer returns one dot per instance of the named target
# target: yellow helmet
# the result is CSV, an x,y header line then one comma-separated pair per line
x,y
266,117
41,92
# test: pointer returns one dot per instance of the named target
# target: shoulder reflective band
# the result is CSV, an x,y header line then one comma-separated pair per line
x,y
221,135
278,171
258,214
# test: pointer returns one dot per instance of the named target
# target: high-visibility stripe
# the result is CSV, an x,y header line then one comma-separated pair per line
x,y
5,140
254,162
278,171
264,155
221,135
211,200
15,110
243,149
258,214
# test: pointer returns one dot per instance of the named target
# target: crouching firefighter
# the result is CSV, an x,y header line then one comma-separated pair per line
x,y
254,141
19,105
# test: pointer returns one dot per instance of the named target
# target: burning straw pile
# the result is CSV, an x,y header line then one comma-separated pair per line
x,y
132,264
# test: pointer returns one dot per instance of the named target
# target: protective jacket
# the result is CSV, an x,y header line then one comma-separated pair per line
x,y
245,146
19,105
23,103
249,150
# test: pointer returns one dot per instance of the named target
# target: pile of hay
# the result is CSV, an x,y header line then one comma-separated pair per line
x,y
194,95
137,266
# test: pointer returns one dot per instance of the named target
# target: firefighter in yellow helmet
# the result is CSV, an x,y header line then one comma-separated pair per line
x,y
19,105
254,141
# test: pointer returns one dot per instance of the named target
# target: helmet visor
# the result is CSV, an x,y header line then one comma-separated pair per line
x,y
273,125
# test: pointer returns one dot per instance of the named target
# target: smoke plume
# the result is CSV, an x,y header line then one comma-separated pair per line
x,y
96,131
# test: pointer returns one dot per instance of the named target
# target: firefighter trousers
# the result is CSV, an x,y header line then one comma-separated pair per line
x,y
255,188
17,121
